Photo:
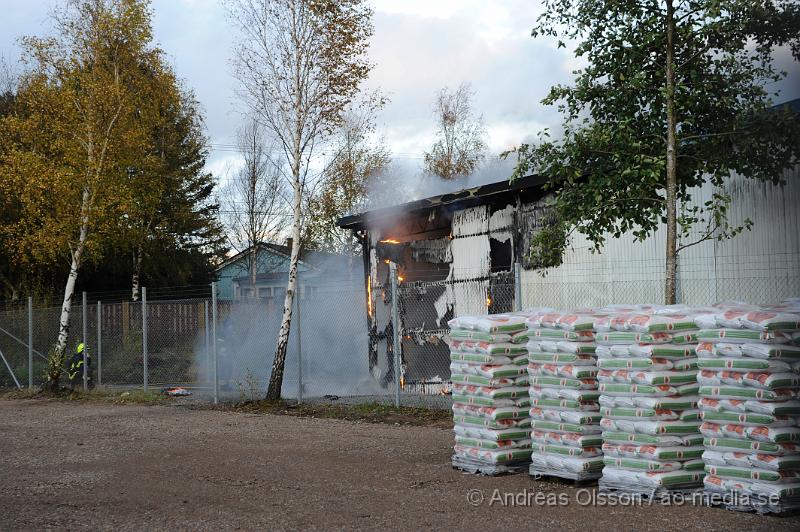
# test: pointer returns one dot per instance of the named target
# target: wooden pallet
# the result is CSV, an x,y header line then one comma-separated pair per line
x,y
761,510
490,470
566,477
652,493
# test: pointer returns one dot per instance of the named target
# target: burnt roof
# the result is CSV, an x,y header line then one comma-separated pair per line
x,y
492,193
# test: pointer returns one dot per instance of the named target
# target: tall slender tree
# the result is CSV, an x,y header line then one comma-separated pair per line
x,y
299,63
354,171
254,201
84,111
86,86
460,143
674,94
171,205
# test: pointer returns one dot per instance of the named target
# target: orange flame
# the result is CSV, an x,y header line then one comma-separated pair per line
x,y
488,301
369,296
390,241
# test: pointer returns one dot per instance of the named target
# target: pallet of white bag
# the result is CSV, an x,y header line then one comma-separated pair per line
x,y
483,468
583,478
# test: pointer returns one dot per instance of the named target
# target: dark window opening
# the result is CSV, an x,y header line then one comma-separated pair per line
x,y
500,254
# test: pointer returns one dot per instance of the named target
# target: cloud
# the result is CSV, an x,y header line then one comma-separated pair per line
x,y
419,47
488,47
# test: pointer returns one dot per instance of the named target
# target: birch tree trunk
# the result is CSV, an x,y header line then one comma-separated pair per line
x,y
278,363
253,267
300,64
69,289
671,266
137,272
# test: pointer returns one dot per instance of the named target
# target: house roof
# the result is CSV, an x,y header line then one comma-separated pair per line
x,y
792,105
282,277
309,258
461,199
284,251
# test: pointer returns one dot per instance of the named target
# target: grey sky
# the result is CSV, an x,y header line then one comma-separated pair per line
x,y
419,46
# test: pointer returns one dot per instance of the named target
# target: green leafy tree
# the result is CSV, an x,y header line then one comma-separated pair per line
x,y
82,118
674,94
170,205
10,273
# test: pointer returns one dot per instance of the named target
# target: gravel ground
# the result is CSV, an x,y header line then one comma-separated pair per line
x,y
92,465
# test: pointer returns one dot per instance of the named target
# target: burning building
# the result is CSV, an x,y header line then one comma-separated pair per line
x,y
455,254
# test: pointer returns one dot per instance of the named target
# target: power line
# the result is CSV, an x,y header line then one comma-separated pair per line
x,y
230,148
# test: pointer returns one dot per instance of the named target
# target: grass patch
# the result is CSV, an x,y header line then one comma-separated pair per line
x,y
359,413
14,393
122,397
365,413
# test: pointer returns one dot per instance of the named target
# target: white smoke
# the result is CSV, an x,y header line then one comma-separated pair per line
x,y
333,340
405,180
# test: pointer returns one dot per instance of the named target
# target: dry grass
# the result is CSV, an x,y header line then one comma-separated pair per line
x,y
364,413
97,395
360,413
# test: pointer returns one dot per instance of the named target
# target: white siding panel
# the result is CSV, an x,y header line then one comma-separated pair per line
x,y
757,266
472,221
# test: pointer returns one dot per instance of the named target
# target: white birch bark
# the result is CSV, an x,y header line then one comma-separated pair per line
x,y
69,288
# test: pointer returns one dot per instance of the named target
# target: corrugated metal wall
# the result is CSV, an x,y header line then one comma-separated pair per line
x,y
757,266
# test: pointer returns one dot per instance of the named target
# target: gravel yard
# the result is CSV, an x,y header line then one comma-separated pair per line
x,y
92,465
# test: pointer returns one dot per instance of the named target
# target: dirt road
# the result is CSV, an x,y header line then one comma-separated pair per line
x,y
87,465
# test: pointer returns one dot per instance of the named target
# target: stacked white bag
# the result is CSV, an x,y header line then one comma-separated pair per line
x,y
490,395
648,399
565,414
750,408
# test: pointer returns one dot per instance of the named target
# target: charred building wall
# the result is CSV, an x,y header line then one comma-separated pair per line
x,y
455,256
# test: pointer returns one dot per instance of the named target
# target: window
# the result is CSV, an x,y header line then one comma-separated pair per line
x,y
265,292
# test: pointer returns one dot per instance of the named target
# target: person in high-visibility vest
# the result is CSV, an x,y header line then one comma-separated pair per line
x,y
75,371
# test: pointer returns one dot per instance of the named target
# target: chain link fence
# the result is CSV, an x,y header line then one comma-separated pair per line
x,y
223,349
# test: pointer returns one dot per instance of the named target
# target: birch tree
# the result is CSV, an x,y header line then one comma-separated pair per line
x,y
299,64
675,93
351,177
254,200
460,143
78,126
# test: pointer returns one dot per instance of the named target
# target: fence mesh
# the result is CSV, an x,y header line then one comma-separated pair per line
x,y
341,346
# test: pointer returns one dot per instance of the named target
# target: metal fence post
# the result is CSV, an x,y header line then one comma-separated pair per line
x,y
85,341
206,347
99,343
395,333
214,341
299,349
518,287
30,342
144,338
